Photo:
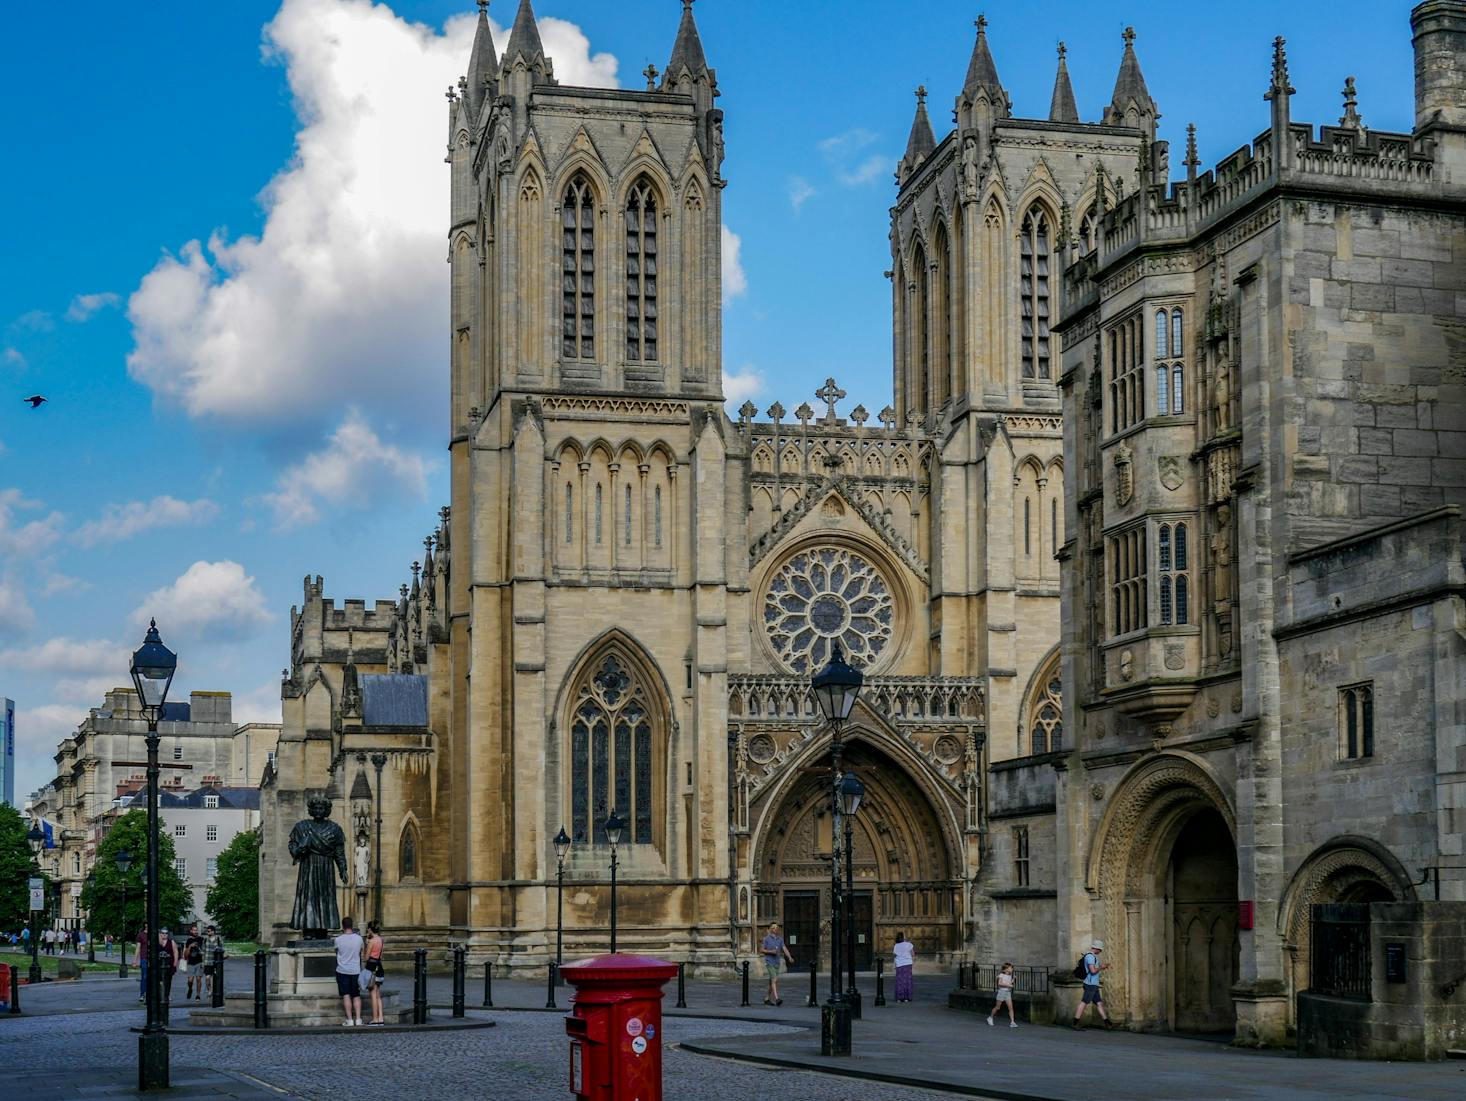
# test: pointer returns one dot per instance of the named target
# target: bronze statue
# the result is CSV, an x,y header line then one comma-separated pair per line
x,y
318,845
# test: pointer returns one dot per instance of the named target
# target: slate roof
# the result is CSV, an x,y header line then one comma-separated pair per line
x,y
394,699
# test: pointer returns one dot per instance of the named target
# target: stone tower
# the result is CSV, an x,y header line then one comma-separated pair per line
x,y
590,535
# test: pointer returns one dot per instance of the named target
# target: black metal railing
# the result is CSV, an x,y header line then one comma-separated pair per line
x,y
1339,960
1026,980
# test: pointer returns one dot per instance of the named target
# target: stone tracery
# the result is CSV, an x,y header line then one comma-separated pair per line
x,y
824,594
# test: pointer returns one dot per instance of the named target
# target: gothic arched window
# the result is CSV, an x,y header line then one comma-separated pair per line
x,y
569,511
641,273
578,270
407,853
598,514
1046,710
614,751
628,516
922,332
942,382
1033,251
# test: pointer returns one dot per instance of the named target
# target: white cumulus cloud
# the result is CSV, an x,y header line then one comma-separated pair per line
x,y
123,521
83,306
80,670
25,539
210,600
353,468
849,157
740,385
16,615
345,289
735,282
800,192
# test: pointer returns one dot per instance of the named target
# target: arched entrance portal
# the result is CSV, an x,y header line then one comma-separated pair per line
x,y
903,869
1164,869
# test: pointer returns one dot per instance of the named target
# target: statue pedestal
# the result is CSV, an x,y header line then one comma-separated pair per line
x,y
305,968
303,994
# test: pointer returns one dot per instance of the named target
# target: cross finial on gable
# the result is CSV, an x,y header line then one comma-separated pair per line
x,y
982,23
830,394
1063,49
921,93
650,72
483,6
1129,36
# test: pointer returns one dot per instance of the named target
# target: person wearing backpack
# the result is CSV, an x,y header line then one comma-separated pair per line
x,y
193,964
1088,969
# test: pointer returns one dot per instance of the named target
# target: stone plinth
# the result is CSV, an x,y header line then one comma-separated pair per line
x,y
302,994
305,968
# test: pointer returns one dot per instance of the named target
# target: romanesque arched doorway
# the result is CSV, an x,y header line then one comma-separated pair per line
x,y
1164,869
904,877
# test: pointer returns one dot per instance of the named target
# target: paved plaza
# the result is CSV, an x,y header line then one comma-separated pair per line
x,y
75,1040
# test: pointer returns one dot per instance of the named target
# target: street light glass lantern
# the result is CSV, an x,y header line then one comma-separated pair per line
x,y
836,686
123,859
614,826
153,665
36,838
562,844
852,792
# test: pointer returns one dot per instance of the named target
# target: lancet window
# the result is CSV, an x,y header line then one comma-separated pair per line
x,y
1034,263
578,270
613,751
641,274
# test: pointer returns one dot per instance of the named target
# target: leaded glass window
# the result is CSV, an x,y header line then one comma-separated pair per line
x,y
611,752
1046,712
569,511
641,274
578,270
657,496
598,514
1033,258
628,516
825,594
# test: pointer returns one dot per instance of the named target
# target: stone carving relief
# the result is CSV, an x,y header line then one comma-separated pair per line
x,y
1124,475
1175,659
761,749
824,594
1172,473
947,749
1127,665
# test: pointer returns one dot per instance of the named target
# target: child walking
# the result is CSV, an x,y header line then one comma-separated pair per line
x,y
1004,995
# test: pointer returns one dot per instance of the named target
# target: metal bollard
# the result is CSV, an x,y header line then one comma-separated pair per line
x,y
745,983
14,990
961,974
458,980
552,980
217,1000
814,984
880,980
420,986
681,986
262,974
488,985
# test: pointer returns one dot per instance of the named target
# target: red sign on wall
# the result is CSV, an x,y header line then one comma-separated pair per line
x,y
1244,914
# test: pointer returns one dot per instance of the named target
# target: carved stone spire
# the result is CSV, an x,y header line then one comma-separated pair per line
x,y
525,45
1131,104
1062,107
1351,119
982,73
922,142
687,50
483,62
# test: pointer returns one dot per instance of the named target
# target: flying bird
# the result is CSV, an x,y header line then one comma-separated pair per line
x,y
35,400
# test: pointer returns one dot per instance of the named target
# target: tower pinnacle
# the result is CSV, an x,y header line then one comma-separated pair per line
x,y
1131,104
1062,107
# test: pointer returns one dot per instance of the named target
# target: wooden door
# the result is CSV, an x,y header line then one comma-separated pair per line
x,y
802,927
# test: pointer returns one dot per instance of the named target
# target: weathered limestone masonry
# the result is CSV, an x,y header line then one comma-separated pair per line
x,y
1265,384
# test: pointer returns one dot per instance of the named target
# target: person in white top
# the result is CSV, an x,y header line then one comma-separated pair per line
x,y
348,972
1005,995
905,954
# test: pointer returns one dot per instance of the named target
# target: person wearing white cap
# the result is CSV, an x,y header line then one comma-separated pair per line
x,y
1091,968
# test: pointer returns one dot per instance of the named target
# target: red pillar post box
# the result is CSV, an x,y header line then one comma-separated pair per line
x,y
615,1027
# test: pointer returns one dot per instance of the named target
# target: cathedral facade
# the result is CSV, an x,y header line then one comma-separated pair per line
x,y
629,589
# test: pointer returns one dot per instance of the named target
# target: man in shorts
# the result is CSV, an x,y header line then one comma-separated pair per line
x,y
193,964
348,972
212,943
775,953
1092,969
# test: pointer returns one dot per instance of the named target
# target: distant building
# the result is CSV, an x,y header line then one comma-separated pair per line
x,y
202,823
7,754
102,768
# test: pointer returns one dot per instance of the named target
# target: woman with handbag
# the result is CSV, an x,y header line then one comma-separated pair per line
x,y
374,965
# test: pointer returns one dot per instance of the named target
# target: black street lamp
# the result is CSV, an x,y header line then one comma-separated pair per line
x,y
123,859
852,791
614,826
36,839
153,666
562,848
836,687
92,897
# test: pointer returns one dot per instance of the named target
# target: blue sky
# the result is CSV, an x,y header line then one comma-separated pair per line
x,y
223,265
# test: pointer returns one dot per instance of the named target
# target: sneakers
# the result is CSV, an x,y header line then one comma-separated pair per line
x,y
1012,1024
348,1023
358,1022
990,1022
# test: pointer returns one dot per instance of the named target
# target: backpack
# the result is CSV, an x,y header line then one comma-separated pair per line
x,y
1081,969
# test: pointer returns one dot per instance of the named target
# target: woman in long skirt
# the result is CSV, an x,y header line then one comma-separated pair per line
x,y
905,953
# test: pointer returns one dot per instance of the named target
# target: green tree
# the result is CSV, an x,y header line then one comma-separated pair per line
x,y
103,897
234,897
17,865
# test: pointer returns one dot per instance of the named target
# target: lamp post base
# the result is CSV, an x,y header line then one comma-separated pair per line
x,y
852,999
835,1028
152,1061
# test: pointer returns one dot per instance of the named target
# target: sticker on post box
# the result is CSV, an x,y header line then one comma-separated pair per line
x,y
638,1045
651,1031
577,1074
633,1027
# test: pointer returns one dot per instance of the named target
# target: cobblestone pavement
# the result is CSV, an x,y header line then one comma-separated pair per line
x,y
524,1058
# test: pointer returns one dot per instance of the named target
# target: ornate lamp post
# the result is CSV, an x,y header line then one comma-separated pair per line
x,y
36,839
852,791
562,848
836,687
614,826
92,895
123,859
153,666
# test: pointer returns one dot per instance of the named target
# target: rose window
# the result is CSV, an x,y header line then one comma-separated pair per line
x,y
822,595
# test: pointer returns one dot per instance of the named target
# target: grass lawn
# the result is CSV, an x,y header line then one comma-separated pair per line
x,y
15,957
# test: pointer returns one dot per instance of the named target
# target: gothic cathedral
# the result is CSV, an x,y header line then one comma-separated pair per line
x,y
629,590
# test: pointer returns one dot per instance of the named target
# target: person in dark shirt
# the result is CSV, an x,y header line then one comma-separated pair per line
x,y
193,964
